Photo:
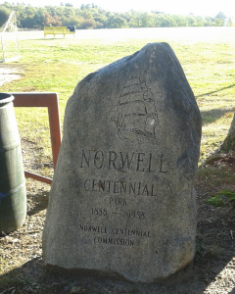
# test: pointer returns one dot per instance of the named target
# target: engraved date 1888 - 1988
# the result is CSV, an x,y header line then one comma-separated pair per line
x,y
130,213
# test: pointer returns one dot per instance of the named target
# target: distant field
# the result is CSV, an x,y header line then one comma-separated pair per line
x,y
56,65
209,34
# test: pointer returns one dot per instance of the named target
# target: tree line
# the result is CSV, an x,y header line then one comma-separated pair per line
x,y
93,17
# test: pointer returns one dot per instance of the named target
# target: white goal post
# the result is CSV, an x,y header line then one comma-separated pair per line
x,y
9,40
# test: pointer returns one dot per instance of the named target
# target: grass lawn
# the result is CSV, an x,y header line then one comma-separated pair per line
x,y
57,65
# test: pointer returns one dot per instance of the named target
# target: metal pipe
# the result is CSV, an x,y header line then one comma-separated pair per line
x,y
38,177
54,121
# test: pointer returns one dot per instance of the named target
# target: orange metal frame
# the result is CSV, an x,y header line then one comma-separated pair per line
x,y
49,100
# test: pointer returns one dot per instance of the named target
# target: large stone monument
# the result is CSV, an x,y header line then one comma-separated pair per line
x,y
122,200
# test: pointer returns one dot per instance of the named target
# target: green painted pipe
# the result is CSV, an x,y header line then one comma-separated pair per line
x,y
12,182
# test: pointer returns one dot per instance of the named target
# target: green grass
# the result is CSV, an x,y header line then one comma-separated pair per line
x,y
57,65
221,198
215,176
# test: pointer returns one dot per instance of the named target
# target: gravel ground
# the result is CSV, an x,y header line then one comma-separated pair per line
x,y
21,252
21,264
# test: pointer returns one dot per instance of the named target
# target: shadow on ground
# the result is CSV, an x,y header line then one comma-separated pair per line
x,y
216,91
37,204
32,277
210,116
213,270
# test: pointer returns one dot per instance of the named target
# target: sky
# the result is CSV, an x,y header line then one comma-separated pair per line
x,y
183,7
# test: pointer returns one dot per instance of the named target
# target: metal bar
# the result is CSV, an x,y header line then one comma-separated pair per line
x,y
54,121
38,177
49,100
7,22
17,39
33,99
3,32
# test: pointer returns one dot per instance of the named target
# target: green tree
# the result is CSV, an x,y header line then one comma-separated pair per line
x,y
219,19
218,22
86,14
39,18
179,21
87,24
158,20
30,11
59,10
221,15
166,22
100,20
92,16
116,22
209,22
190,20
69,12
72,21
7,5
135,20
4,14
57,21
28,22
144,19
48,19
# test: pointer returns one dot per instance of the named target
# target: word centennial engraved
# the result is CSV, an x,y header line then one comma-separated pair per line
x,y
115,231
119,187
120,161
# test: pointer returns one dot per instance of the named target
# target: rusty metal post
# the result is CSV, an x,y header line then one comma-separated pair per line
x,y
38,177
54,121
49,100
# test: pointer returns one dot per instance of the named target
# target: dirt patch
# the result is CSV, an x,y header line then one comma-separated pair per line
x,y
9,73
214,265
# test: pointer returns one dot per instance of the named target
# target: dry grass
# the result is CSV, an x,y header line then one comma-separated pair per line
x,y
56,66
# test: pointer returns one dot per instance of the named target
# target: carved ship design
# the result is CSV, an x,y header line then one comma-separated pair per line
x,y
135,114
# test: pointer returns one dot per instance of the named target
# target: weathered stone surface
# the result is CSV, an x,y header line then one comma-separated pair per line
x,y
122,200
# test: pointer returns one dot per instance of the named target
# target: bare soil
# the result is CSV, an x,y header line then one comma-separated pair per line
x,y
9,73
213,269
